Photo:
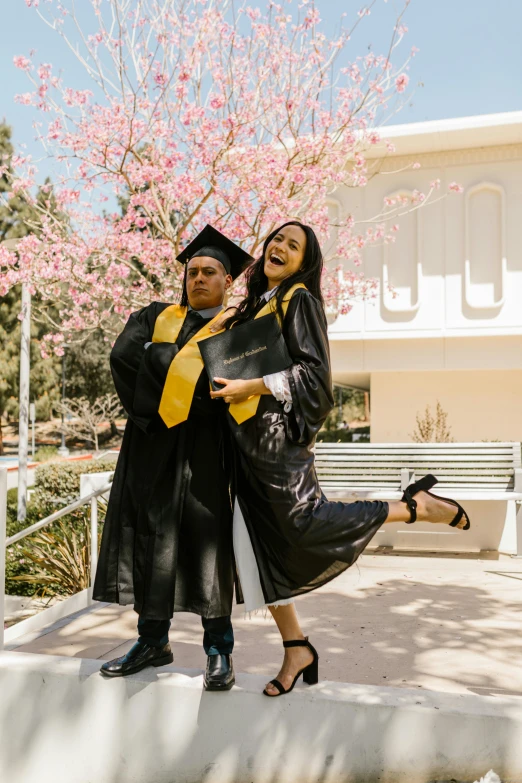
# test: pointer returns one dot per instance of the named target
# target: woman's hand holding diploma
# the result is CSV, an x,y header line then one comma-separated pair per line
x,y
239,390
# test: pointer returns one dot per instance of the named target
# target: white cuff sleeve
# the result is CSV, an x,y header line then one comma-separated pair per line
x,y
277,384
147,345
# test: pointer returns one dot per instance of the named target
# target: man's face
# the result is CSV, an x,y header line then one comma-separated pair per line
x,y
207,281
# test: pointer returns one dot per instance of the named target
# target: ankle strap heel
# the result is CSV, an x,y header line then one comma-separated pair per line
x,y
310,673
300,643
424,485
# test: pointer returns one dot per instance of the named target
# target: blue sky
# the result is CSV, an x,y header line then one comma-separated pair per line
x,y
470,58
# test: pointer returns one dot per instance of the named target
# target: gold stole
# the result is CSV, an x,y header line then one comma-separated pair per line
x,y
187,365
184,369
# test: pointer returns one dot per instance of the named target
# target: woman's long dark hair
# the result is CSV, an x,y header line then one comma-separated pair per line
x,y
309,273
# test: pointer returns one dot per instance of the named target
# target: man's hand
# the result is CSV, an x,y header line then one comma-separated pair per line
x,y
238,391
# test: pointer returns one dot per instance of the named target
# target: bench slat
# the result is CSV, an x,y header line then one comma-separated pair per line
x,y
376,467
410,448
443,489
336,462
461,470
426,456
440,474
321,448
473,484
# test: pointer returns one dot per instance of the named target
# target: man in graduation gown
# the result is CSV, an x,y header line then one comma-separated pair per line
x,y
167,538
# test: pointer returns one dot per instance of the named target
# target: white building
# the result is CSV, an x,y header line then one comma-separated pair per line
x,y
453,333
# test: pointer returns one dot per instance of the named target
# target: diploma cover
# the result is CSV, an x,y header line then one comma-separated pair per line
x,y
249,350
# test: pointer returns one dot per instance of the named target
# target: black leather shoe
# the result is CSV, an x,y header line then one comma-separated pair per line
x,y
139,656
219,675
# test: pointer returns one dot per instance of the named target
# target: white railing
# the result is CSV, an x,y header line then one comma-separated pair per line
x,y
68,605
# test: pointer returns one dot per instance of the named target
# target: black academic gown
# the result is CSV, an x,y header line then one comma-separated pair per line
x,y
300,540
167,539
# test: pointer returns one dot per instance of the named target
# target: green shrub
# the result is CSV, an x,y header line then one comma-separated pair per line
x,y
59,561
60,481
56,485
15,563
44,453
44,407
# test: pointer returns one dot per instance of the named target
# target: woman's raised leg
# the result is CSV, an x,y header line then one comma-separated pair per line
x,y
429,509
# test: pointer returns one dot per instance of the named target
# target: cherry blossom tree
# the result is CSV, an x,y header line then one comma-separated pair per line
x,y
201,111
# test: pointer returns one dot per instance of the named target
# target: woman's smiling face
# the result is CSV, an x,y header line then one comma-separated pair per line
x,y
284,254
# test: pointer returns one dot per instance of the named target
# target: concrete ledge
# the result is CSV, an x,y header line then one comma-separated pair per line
x,y
61,722
46,617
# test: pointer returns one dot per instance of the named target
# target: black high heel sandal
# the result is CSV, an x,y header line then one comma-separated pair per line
x,y
424,485
310,673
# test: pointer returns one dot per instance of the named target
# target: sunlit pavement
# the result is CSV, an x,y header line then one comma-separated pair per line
x,y
448,624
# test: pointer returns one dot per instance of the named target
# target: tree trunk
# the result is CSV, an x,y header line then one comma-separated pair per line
x,y
367,405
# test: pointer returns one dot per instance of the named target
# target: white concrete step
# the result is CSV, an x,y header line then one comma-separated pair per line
x,y
62,722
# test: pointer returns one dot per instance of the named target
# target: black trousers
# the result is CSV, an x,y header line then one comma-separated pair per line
x,y
218,636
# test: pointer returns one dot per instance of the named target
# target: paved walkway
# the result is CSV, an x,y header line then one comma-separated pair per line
x,y
448,624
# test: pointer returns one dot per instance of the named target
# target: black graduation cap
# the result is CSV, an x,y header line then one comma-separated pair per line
x,y
211,242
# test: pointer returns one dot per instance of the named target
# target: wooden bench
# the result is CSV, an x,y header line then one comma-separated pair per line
x,y
466,471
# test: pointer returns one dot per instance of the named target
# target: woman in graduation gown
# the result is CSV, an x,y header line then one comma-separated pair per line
x,y
297,540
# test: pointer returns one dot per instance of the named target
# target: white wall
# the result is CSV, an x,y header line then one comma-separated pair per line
x,y
481,405
454,331
456,265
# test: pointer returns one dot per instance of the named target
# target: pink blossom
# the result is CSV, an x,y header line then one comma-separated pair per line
x,y
76,97
54,129
67,196
455,187
44,71
312,17
21,62
25,99
401,82
253,13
